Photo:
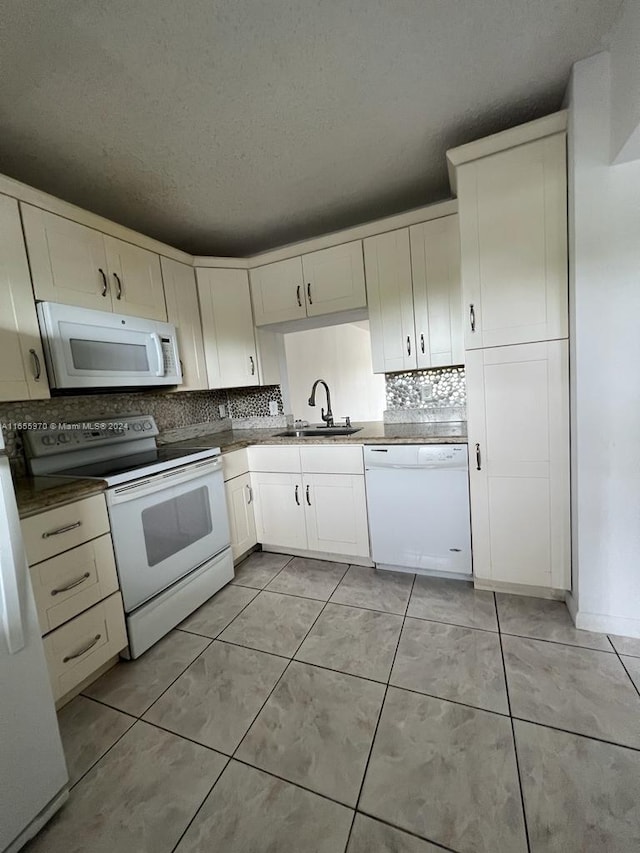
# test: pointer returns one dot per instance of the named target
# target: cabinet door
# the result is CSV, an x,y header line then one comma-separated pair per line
x,y
277,292
183,311
242,524
437,292
518,420
513,232
279,510
68,260
336,511
227,326
22,373
136,280
388,266
334,279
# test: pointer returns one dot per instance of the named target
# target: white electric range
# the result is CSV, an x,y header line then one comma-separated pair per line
x,y
167,511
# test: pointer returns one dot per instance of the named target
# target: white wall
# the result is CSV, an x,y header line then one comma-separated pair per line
x,y
605,360
624,48
341,355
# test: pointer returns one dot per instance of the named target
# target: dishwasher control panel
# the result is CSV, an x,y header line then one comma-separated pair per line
x,y
416,456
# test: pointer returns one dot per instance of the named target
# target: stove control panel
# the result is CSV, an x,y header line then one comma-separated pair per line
x,y
62,437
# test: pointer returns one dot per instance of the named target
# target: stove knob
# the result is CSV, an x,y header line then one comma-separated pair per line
x,y
48,440
63,438
147,425
137,426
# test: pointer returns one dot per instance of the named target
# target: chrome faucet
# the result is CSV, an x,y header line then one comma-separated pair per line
x,y
328,418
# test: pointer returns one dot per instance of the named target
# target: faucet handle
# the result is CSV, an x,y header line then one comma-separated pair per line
x,y
347,421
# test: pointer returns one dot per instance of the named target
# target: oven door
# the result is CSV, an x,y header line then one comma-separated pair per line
x,y
166,526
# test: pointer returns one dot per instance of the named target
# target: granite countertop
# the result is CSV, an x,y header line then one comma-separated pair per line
x,y
36,494
372,432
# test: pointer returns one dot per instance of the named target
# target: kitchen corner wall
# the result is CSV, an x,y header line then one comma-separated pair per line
x,y
423,396
173,411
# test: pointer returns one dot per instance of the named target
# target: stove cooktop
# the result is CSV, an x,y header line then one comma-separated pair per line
x,y
138,465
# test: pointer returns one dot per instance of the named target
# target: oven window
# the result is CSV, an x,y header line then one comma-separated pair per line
x,y
109,355
175,524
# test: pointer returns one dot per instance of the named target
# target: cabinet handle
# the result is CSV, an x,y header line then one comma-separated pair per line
x,y
298,296
309,293
84,649
297,497
472,317
478,466
71,584
60,530
408,345
37,370
422,342
119,283
308,498
105,283
253,366
249,494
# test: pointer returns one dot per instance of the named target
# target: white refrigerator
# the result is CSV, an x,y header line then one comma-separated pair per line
x,y
33,773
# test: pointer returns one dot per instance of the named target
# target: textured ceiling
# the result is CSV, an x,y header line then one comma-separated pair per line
x,y
231,126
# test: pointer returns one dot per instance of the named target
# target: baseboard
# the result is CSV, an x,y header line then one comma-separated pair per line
x,y
605,624
520,589
64,700
320,555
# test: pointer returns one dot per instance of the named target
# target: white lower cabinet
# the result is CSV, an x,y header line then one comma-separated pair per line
x,y
242,524
518,419
310,498
279,509
336,514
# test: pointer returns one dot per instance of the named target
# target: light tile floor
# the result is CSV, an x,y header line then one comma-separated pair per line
x,y
310,709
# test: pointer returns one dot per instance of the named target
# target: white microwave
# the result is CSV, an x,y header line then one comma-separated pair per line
x,y
96,349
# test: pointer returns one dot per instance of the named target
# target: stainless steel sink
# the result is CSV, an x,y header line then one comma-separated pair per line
x,y
318,432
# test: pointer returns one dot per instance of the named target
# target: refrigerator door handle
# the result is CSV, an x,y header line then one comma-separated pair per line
x,y
10,603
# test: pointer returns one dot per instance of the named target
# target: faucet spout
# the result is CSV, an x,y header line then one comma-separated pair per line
x,y
328,418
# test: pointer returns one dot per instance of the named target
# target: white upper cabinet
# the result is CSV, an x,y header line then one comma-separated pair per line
x,y
334,279
390,293
22,371
136,280
413,287
513,233
518,423
68,260
323,282
184,312
437,293
76,265
278,293
227,326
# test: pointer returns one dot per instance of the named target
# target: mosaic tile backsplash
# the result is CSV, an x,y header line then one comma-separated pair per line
x,y
171,410
426,394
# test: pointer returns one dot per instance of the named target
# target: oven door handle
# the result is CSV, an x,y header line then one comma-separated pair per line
x,y
192,472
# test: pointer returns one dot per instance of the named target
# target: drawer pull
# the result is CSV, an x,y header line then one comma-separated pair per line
x,y
83,650
71,585
60,530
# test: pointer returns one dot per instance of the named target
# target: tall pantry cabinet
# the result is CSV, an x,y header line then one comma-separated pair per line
x,y
512,194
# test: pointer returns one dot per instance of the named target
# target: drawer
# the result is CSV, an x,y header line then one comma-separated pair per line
x,y
343,459
235,463
71,582
64,527
82,646
280,459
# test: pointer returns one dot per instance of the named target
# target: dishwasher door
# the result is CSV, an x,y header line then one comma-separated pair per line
x,y
418,504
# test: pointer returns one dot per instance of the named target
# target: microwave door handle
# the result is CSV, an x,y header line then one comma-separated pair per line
x,y
10,604
155,337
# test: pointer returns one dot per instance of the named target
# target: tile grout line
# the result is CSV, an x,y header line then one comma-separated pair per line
x,y
619,656
407,831
382,704
513,731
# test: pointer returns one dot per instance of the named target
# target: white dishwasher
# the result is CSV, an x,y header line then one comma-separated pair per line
x,y
418,504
